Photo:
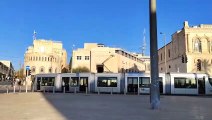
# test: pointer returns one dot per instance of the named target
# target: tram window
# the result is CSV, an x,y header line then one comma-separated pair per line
x,y
48,81
132,80
144,82
185,83
74,81
107,82
210,81
38,78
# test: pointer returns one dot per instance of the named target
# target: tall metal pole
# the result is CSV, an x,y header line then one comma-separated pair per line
x,y
154,88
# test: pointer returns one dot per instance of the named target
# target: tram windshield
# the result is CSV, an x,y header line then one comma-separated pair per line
x,y
47,81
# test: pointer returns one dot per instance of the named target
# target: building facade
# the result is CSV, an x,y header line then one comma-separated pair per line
x,y
7,68
98,59
189,51
4,70
45,56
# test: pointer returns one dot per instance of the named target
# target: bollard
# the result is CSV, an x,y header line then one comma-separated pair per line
x,y
14,89
111,92
19,88
26,86
7,90
86,90
44,90
64,90
124,91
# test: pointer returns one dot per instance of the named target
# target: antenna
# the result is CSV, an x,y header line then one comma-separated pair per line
x,y
34,35
144,42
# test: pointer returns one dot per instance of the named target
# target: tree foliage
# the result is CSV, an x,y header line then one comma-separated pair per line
x,y
80,69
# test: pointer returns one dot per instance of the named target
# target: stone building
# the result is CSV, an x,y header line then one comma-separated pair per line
x,y
190,50
3,71
45,56
7,68
98,58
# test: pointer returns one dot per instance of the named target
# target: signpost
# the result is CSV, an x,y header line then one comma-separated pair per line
x,y
28,73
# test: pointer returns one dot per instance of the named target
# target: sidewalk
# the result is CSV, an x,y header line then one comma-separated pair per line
x,y
59,106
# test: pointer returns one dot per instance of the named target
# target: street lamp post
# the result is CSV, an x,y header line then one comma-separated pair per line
x,y
164,38
154,87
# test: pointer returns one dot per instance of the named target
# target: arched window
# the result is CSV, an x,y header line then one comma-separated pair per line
x,y
197,47
33,69
50,70
42,70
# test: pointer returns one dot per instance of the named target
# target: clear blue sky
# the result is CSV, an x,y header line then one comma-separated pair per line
x,y
116,23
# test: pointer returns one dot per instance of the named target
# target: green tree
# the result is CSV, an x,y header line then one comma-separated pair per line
x,y
80,70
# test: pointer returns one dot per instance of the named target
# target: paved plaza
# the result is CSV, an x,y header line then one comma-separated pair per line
x,y
69,106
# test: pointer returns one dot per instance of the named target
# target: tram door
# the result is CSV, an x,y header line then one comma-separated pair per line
x,y
132,84
38,83
83,84
161,85
65,83
201,86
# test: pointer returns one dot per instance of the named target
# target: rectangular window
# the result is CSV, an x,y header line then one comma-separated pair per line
x,y
144,82
86,57
132,80
107,82
78,57
47,81
185,82
74,81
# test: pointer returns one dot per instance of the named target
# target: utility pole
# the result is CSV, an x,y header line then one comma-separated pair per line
x,y
144,43
154,88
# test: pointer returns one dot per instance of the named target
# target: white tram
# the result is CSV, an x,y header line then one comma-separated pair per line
x,y
131,83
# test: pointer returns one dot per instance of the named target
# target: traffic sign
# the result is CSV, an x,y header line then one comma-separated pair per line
x,y
27,67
